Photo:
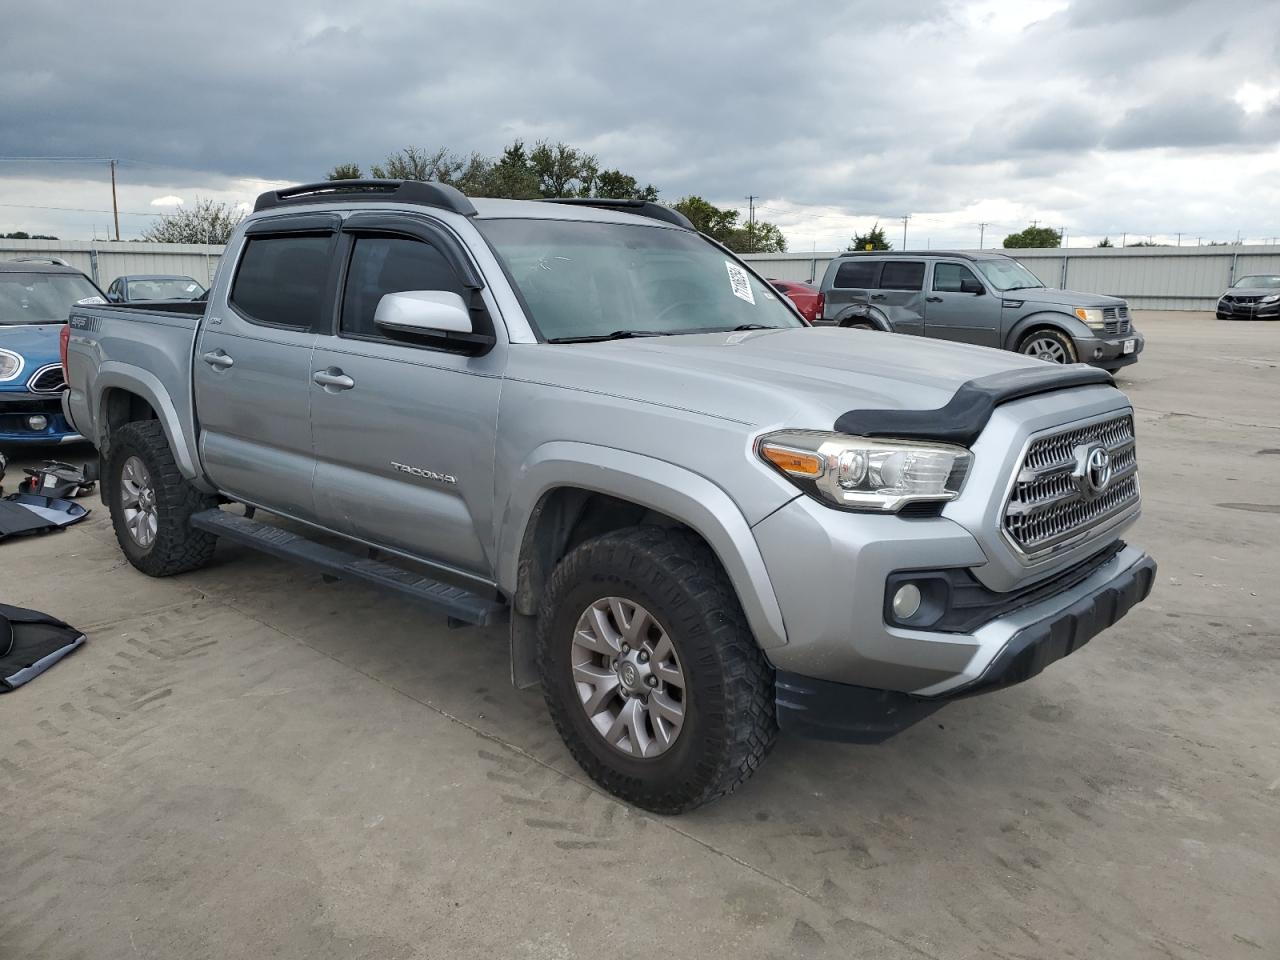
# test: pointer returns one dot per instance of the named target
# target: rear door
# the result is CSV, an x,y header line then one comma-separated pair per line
x,y
852,284
252,369
900,296
954,313
405,441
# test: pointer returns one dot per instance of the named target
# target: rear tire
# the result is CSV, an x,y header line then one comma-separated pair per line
x,y
1052,346
705,666
151,503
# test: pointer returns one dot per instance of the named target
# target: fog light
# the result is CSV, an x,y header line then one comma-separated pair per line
x,y
906,601
37,422
1097,353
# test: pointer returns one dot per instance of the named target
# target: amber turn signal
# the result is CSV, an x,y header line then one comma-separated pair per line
x,y
793,462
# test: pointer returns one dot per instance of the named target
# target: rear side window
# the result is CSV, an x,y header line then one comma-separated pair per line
x,y
282,280
859,274
382,265
947,277
900,275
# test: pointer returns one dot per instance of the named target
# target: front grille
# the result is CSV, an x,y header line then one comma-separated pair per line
x,y
1049,506
1116,319
47,379
1237,299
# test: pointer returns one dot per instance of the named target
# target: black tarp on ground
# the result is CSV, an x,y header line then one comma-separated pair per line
x,y
30,643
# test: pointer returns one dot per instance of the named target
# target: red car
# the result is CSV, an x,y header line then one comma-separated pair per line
x,y
806,298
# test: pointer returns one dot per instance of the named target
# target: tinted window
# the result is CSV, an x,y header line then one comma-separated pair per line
x,y
860,274
900,275
382,265
281,280
947,277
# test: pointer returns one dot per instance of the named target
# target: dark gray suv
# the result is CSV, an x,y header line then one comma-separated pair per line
x,y
987,299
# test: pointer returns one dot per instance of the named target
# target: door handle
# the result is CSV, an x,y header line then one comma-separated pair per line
x,y
933,299
877,296
333,379
218,359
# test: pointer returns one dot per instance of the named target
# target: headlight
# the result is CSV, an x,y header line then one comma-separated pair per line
x,y
10,365
1271,299
1091,316
858,473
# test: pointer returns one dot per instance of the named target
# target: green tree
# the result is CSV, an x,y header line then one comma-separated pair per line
x,y
23,235
206,222
512,176
1033,237
725,226
616,185
873,239
1105,242
345,171
562,170
1147,243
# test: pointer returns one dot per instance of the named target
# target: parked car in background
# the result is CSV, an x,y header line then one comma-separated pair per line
x,y
806,297
153,287
987,299
703,518
36,295
1255,297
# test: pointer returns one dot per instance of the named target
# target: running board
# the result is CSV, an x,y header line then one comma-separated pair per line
x,y
456,603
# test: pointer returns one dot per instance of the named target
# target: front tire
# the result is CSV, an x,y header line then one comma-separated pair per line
x,y
151,503
650,671
1050,345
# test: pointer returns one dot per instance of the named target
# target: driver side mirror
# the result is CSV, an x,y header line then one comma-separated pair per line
x,y
970,285
423,312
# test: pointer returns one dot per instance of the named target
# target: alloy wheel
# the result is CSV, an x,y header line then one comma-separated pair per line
x,y
138,502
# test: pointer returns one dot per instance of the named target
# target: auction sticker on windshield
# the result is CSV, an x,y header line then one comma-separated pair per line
x,y
739,283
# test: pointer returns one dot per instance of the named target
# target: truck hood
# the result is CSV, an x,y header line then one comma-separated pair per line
x,y
1062,298
802,378
1252,292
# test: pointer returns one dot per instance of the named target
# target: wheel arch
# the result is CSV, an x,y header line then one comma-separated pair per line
x,y
861,312
1049,319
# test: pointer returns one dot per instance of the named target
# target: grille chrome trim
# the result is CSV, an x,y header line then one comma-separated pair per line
x,y
1045,512
48,379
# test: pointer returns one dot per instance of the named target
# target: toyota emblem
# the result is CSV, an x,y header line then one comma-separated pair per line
x,y
1093,470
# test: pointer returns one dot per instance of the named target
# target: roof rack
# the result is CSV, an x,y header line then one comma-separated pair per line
x,y
957,254
420,192
641,208
56,261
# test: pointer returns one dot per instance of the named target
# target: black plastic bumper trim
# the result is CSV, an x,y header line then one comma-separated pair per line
x,y
826,710
966,414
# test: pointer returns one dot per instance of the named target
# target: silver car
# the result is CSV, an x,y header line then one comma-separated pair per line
x,y
987,299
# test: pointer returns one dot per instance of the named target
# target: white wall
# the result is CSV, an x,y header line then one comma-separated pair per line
x,y
1150,278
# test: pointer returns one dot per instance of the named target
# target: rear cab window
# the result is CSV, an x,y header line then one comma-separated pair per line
x,y
282,281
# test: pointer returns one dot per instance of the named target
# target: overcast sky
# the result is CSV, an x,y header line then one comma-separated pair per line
x,y
1102,116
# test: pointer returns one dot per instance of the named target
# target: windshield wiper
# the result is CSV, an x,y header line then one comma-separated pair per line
x,y
755,326
1026,286
616,335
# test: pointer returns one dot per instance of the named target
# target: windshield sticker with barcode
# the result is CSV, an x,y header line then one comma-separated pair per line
x,y
740,283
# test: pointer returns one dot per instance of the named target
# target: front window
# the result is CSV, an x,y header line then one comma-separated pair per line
x,y
584,279
41,297
165,288
1258,282
1005,274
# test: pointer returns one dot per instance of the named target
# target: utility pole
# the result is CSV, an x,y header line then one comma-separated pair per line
x,y
1062,236
1124,239
904,230
115,207
1179,239
751,222
982,232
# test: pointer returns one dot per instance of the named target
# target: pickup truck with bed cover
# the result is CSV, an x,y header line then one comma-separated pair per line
x,y
704,519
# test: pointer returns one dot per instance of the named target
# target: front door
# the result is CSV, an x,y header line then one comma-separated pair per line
x,y
404,426
960,307
252,373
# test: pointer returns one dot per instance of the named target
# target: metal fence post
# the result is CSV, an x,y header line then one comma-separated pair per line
x,y
1062,284
93,267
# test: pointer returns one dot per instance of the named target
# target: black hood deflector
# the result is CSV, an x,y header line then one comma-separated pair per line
x,y
967,413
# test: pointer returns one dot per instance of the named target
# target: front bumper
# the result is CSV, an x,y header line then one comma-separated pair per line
x,y
16,407
1248,311
1108,351
1053,629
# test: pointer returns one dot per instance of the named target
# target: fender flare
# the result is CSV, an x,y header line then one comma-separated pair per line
x,y
678,493
113,375
1068,324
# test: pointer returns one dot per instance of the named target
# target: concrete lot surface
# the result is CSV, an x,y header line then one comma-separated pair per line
x,y
249,762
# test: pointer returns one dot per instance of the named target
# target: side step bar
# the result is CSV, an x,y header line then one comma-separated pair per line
x,y
457,603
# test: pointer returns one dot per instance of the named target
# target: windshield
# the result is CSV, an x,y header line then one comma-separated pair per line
x,y
1260,282
587,280
165,288
1008,274
41,297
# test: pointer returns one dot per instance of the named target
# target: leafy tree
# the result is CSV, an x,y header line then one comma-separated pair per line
x,y
724,225
1105,242
345,171
23,235
1033,237
873,239
616,185
206,222
512,176
1147,243
562,170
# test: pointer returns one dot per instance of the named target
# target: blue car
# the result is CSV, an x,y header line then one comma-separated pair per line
x,y
35,298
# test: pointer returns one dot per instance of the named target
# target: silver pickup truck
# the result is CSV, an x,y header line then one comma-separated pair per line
x,y
703,519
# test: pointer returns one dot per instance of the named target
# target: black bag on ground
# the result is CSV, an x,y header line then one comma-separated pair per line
x,y
30,643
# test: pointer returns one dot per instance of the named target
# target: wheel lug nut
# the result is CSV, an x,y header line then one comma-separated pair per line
x,y
643,657
626,648
652,681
